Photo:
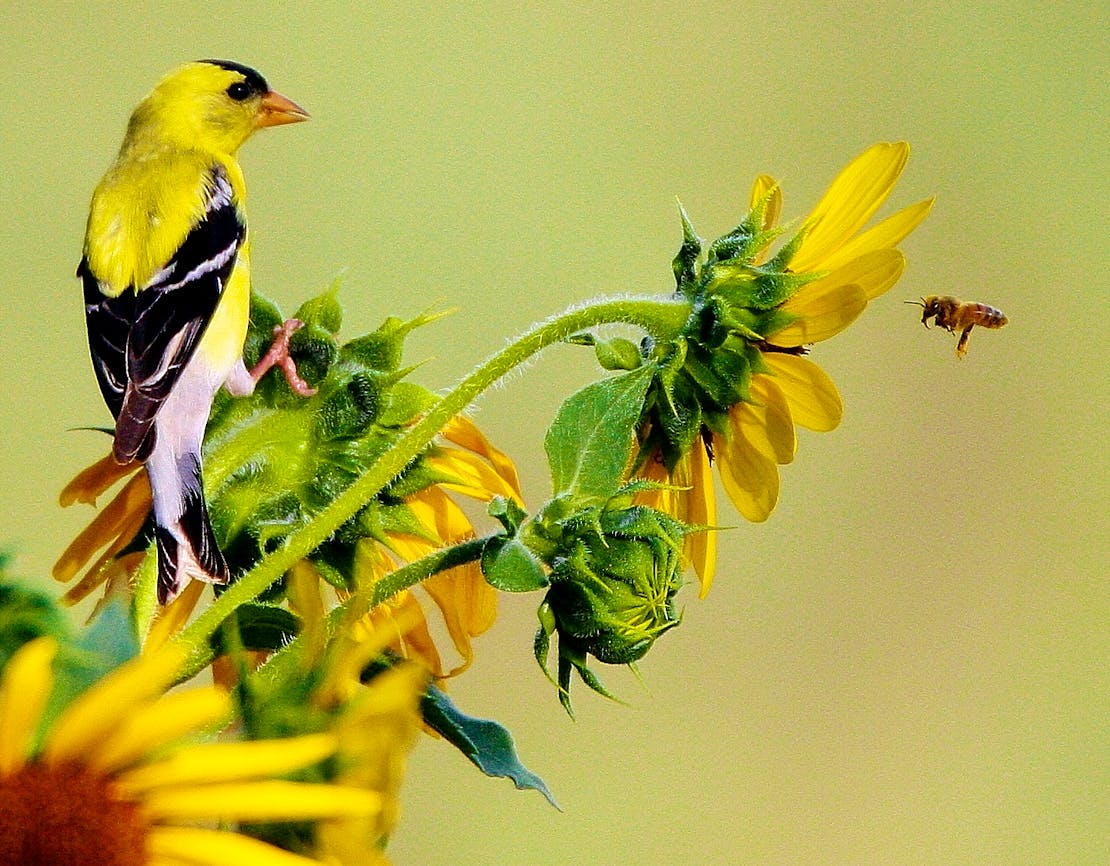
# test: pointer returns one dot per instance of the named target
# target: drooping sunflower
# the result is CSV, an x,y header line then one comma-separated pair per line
x,y
275,459
734,386
110,781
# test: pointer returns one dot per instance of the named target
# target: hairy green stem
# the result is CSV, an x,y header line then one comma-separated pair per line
x,y
661,318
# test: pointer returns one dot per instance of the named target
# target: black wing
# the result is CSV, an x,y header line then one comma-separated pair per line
x,y
142,340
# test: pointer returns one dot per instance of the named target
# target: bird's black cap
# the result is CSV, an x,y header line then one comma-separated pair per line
x,y
253,78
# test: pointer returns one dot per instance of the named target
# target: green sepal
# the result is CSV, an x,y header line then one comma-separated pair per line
x,y
407,400
486,744
589,443
323,311
507,512
685,263
510,566
314,349
619,353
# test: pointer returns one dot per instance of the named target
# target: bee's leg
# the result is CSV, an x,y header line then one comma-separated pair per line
x,y
961,347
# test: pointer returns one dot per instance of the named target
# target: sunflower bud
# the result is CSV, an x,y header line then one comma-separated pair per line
x,y
614,576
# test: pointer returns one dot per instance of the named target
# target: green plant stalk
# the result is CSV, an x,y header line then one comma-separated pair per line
x,y
662,319
279,666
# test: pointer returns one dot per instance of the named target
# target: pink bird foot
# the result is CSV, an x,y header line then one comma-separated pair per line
x,y
278,356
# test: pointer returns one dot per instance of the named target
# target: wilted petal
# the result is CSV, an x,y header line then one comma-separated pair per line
x,y
824,309
170,619
813,399
92,481
858,191
470,475
114,526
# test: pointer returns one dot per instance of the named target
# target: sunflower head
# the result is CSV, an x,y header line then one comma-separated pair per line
x,y
733,383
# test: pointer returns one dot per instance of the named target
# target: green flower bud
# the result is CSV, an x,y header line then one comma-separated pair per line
x,y
613,581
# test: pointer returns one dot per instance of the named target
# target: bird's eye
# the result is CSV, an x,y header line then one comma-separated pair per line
x,y
239,91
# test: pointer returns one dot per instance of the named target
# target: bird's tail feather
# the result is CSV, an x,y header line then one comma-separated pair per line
x,y
188,547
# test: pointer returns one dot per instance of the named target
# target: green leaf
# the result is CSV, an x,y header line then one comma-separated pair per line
x,y
588,444
488,745
511,567
261,627
25,614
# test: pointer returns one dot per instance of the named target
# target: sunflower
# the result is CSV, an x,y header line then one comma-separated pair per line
x,y
109,781
420,518
735,385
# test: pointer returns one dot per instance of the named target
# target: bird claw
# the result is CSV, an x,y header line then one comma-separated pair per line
x,y
278,356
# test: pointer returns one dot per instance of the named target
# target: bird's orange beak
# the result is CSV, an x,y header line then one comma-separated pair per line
x,y
276,110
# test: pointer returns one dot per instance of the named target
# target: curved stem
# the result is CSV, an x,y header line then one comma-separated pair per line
x,y
662,319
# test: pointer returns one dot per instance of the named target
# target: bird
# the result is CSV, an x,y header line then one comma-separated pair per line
x,y
165,272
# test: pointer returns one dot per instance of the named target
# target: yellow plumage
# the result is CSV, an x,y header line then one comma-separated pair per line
x,y
166,276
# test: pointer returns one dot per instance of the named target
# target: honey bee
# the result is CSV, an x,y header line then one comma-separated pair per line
x,y
953,315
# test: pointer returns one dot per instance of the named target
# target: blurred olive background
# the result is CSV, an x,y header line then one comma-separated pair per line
x,y
908,662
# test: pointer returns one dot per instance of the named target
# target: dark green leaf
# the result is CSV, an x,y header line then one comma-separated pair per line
x,y
261,627
488,745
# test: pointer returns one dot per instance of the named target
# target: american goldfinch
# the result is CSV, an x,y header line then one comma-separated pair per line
x,y
166,278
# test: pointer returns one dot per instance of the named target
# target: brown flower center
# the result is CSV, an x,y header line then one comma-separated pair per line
x,y
67,816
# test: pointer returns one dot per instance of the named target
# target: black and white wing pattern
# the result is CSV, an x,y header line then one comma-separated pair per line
x,y
142,339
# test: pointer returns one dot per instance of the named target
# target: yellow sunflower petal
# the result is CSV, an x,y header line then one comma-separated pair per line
x,y
701,547
766,184
470,474
91,482
824,310
883,235
166,720
773,414
443,519
813,399
272,800
873,272
24,687
200,847
169,620
413,640
463,432
858,191
303,588
208,763
86,724
125,512
468,604
750,478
